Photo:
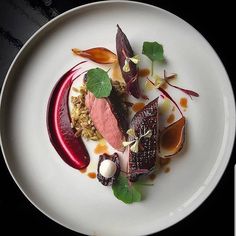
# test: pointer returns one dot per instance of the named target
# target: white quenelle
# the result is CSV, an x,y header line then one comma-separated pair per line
x,y
107,168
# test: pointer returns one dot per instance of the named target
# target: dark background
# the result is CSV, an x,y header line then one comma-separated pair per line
x,y
19,19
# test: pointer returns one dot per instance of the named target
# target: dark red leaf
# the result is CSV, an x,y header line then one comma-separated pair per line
x,y
190,93
167,95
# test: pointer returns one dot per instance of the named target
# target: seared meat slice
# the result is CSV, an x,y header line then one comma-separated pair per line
x,y
145,159
109,118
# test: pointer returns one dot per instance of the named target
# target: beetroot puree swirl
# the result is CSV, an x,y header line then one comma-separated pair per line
x,y
70,148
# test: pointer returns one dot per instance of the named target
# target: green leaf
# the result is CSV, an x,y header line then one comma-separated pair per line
x,y
125,192
153,50
98,82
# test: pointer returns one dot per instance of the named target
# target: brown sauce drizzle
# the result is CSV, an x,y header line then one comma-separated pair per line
x,y
138,106
172,138
83,170
171,118
143,72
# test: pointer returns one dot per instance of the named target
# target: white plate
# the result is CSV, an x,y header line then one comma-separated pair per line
x,y
63,193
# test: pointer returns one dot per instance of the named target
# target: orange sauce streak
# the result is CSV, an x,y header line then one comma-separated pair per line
x,y
83,170
171,118
92,175
101,148
138,106
143,72
184,102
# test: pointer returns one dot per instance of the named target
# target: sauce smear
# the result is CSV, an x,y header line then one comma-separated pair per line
x,y
138,106
172,138
152,176
167,169
92,175
101,147
171,118
83,170
70,148
143,72
164,161
184,102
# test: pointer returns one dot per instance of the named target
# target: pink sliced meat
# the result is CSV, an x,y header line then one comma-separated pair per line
x,y
108,119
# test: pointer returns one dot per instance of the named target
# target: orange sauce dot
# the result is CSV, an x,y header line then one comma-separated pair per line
x,y
164,161
92,175
138,106
167,169
83,170
184,102
101,147
143,72
171,118
152,176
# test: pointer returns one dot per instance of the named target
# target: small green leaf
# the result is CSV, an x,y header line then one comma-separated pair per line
x,y
98,82
124,191
153,50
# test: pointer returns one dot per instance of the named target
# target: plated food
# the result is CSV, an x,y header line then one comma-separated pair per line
x,y
75,198
113,107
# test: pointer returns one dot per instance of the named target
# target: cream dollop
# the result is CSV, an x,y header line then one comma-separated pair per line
x,y
107,168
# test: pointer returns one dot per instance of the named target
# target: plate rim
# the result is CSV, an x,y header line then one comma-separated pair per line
x,y
230,136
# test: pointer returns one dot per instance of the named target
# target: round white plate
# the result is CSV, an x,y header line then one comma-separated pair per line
x,y
71,198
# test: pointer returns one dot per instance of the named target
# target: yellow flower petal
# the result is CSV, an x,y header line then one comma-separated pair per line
x,y
135,59
149,85
131,132
148,134
159,81
126,67
125,144
134,147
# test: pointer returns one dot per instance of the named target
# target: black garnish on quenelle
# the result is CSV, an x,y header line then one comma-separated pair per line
x,y
108,181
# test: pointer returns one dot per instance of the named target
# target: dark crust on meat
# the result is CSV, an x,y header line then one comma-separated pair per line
x,y
145,159
118,110
108,181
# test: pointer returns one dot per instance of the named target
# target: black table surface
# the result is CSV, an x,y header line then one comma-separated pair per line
x,y
19,19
